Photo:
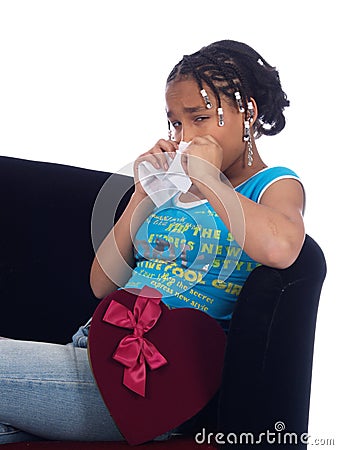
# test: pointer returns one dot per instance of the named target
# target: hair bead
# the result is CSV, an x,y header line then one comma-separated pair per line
x,y
239,101
251,111
206,98
220,116
246,134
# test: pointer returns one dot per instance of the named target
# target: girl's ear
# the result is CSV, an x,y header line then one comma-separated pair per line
x,y
255,108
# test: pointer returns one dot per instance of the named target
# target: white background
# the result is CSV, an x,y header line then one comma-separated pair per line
x,y
82,83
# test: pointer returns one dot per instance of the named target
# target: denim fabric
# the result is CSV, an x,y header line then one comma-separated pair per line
x,y
47,391
80,338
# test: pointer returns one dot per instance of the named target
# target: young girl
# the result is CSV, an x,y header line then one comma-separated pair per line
x,y
196,248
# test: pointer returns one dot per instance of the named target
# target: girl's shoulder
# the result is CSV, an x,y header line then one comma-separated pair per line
x,y
255,186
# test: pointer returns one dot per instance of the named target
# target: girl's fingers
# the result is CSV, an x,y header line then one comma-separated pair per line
x,y
164,148
157,155
154,159
168,146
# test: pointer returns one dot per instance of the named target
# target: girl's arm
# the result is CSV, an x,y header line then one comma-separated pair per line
x,y
270,232
114,260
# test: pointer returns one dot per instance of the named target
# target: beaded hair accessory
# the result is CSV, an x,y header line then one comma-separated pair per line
x,y
208,104
206,98
251,111
220,116
170,133
239,102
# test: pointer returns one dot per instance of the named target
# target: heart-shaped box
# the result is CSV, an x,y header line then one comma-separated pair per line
x,y
190,345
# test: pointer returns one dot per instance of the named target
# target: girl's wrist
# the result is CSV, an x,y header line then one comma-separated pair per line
x,y
138,197
207,182
141,203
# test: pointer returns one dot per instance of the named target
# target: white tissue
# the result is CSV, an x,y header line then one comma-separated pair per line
x,y
161,184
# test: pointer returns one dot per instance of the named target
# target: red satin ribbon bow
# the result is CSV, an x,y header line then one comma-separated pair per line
x,y
134,350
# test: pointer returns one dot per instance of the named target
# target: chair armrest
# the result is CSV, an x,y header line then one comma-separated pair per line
x,y
268,362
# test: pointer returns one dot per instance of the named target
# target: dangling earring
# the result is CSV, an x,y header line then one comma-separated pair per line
x,y
247,133
247,138
250,152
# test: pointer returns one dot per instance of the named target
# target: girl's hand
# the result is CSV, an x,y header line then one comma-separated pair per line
x,y
203,159
156,156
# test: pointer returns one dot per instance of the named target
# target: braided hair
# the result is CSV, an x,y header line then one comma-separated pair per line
x,y
227,67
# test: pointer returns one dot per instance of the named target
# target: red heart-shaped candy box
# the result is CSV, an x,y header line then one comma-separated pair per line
x,y
193,344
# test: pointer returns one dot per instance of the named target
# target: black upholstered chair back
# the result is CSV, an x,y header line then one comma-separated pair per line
x,y
45,246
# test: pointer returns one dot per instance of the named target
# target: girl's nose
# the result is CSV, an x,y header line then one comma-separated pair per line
x,y
187,134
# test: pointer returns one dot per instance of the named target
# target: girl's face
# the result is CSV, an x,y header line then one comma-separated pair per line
x,y
189,118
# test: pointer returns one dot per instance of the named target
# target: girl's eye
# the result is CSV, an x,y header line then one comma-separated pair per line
x,y
177,124
201,118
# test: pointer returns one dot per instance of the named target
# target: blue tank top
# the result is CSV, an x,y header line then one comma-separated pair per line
x,y
185,251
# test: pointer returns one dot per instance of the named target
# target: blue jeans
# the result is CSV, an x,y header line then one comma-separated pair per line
x,y
47,391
